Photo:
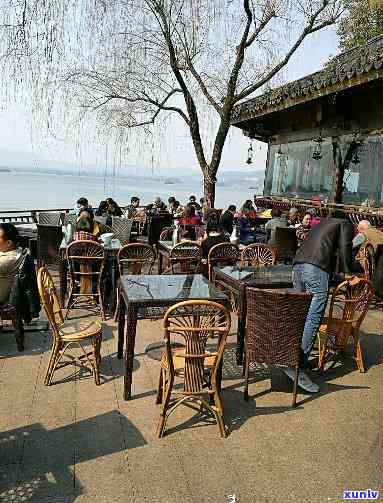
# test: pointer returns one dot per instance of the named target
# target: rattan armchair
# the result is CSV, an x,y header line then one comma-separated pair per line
x,y
257,255
196,364
348,307
122,228
275,323
222,254
68,333
185,258
86,261
366,258
49,238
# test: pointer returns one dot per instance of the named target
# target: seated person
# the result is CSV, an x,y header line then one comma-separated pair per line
x,y
293,219
190,217
24,295
249,209
303,229
102,209
82,203
112,208
94,228
158,206
246,234
214,236
227,219
366,232
276,221
193,202
10,259
132,210
314,219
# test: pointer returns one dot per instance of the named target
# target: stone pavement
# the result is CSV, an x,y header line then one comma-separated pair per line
x,y
75,442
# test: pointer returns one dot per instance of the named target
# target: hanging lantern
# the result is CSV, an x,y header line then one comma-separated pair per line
x,y
249,159
317,152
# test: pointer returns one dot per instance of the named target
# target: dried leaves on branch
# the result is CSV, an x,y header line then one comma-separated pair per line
x,y
136,62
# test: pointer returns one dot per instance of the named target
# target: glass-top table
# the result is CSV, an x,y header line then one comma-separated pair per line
x,y
235,279
160,291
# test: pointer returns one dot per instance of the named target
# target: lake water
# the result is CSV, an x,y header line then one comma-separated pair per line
x,y
22,191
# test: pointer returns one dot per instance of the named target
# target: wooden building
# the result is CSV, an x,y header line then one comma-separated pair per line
x,y
324,131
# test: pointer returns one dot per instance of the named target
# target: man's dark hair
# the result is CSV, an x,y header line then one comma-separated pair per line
x,y
134,199
83,201
192,197
232,208
338,213
276,213
171,200
10,232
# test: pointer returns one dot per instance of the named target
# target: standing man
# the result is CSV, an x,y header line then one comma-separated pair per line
x,y
227,219
314,262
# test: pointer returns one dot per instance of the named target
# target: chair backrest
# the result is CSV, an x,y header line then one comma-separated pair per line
x,y
257,255
49,238
136,258
86,261
166,233
121,228
50,218
194,322
222,254
50,300
185,258
348,306
366,258
275,322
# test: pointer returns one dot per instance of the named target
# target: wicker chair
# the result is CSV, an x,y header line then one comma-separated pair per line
x,y
366,258
49,238
222,254
348,307
275,323
185,258
195,364
66,334
166,233
50,218
257,255
86,261
134,258
121,228
9,313
285,244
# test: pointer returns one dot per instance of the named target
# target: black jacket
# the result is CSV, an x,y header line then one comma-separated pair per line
x,y
325,240
227,220
24,293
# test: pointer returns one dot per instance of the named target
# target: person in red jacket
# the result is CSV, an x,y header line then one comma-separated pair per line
x,y
190,217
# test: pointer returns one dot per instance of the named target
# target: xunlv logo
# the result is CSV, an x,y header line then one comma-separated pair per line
x,y
368,494
375,3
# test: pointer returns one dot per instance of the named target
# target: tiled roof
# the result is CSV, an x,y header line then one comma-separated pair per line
x,y
341,71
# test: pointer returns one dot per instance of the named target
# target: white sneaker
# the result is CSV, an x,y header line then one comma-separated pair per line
x,y
304,381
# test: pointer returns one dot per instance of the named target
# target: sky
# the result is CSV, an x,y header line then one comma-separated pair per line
x,y
21,144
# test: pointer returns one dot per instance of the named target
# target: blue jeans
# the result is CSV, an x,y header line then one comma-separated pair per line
x,y
310,278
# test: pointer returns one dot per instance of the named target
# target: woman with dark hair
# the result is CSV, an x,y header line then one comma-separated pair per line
x,y
190,217
250,211
112,208
95,227
102,209
84,229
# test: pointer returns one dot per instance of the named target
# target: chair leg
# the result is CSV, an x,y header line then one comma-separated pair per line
x,y
219,414
246,390
165,406
116,314
52,364
358,354
19,333
160,388
101,301
322,355
295,387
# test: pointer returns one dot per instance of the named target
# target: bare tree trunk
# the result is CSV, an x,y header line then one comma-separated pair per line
x,y
208,192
